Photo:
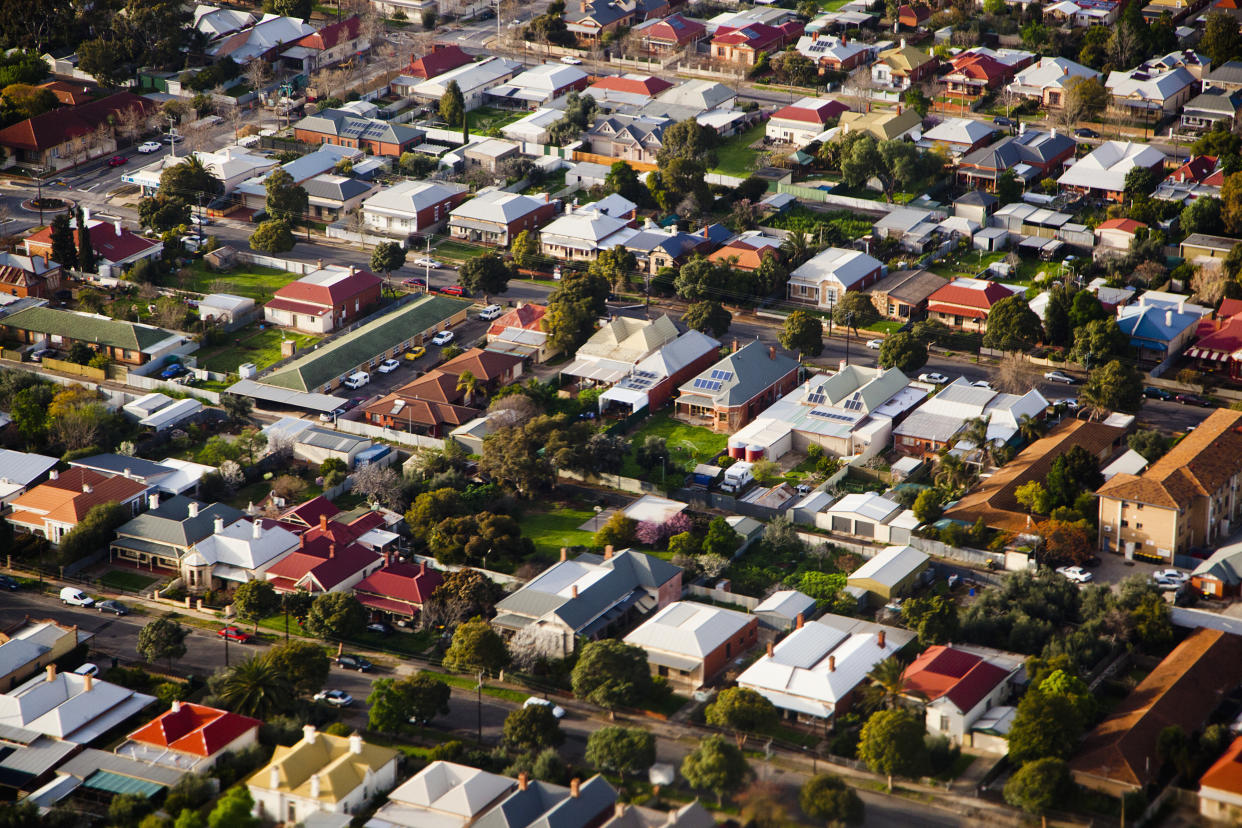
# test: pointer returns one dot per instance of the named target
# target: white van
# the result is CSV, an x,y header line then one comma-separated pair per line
x,y
357,380
76,597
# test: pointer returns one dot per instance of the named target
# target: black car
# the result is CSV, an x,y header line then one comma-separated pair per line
x,y
115,607
1153,393
1083,132
1001,120
9,583
1192,399
353,662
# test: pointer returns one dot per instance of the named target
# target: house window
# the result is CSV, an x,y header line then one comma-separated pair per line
x,y
293,813
944,724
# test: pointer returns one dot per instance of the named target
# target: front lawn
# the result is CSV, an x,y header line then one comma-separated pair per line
x,y
467,683
244,280
687,444
884,326
450,249
550,531
124,579
735,156
250,344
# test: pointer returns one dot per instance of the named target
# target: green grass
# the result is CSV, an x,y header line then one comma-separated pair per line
x,y
549,531
244,280
450,249
680,438
884,326
262,347
669,705
959,766
401,643
735,156
124,579
466,683
486,117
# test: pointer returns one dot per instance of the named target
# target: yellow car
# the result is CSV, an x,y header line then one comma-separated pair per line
x,y
415,352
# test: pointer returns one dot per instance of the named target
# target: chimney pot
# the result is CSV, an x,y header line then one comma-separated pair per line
x,y
257,531
564,554
323,523
153,501
1168,318
88,683
770,649
573,590
387,558
771,352
51,672
522,781
800,619
176,706
54,475
309,733
832,664
879,639
355,743
608,552
193,509
422,568
332,550
573,788
219,527
128,473
86,488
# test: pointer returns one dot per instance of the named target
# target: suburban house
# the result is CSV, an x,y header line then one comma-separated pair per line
x,y
956,687
1030,155
780,610
903,294
537,86
251,194
965,303
1202,112
28,276
30,645
533,128
128,343
738,388
235,553
689,644
520,332
324,300
747,251
980,70
444,795
322,564
995,499
1185,499
892,573
332,44
1220,575
321,773
863,515
655,378
412,207
398,591
1183,690
53,509
442,58
823,279
1218,345
271,35
169,476
1199,176
958,136
616,348
490,369
883,125
21,471
69,707
1102,173
66,136
802,121
1220,787
116,249
656,247
496,217
592,18
631,138
936,422
743,44
1046,81
347,129
430,405
1114,237
1083,13
629,90
584,232
473,79
812,674
913,15
1149,97
833,54
191,736
167,531
903,66
672,34
700,95
589,597
1156,330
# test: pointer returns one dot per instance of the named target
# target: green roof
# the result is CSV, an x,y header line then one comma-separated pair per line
x,y
345,353
86,327
118,784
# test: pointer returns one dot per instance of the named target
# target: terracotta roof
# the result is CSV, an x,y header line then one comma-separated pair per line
x,y
69,94
1200,464
941,671
675,29
320,565
110,244
435,386
439,60
1196,169
1184,690
528,317
195,729
485,365
1220,336
648,85
984,67
994,499
823,113
59,501
1226,773
330,295
421,412
1126,225
748,256
403,582
51,129
332,34
966,297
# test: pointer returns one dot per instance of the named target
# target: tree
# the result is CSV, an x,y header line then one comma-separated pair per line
x,y
1085,308
163,213
1047,724
1203,215
1114,387
827,797
917,99
395,703
741,710
95,530
476,648
304,664
286,199
256,600
234,809
716,765
721,539
625,751
380,484
86,253
934,618
687,140
623,180
1012,325
1067,542
272,236
387,257
64,250
1038,785
189,819
335,615
1057,329
854,309
1033,497
524,248
486,274
891,743
904,352
191,179
237,407
532,728
803,333
927,506
1221,39
1008,188
709,317
1149,443
1085,98
256,687
611,674
162,638
1140,182
453,105
1099,341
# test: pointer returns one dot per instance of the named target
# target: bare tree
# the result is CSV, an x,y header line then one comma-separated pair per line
x,y
372,27
130,123
232,113
193,137
279,446
529,646
860,87
379,484
1015,374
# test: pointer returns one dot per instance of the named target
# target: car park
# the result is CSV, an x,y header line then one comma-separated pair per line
x,y
1076,574
76,597
388,366
491,312
442,338
1059,376
353,662
114,607
933,378
1153,393
117,161
874,344
149,146
1192,399
234,634
415,353
336,698
535,701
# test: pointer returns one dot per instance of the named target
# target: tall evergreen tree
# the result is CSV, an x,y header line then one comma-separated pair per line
x,y
64,251
86,252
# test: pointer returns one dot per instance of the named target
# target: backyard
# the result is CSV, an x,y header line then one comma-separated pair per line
x,y
687,444
549,531
736,156
487,118
258,343
972,262
244,280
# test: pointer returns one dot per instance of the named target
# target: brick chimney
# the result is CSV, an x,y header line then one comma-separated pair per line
x,y
323,523
309,734
799,621
573,788
51,672
332,550
153,500
219,524
422,568
771,648
387,558
522,781
88,683
192,509
608,552
735,346
879,639
564,554
832,664
771,352
573,590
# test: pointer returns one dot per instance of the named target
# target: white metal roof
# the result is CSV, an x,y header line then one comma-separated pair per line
x,y
891,565
689,629
786,603
845,266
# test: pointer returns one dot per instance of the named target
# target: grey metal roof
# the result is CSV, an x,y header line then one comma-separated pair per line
x,y
1228,72
751,369
38,758
170,522
22,467
335,187
550,806
91,760
138,468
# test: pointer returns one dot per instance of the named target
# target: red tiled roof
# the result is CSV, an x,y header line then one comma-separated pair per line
x,y
1229,308
333,33
51,129
69,94
439,60
755,35
304,308
367,521
968,297
1224,340
435,386
649,85
1226,774
334,295
307,514
984,67
963,677
528,317
403,582
195,729
1197,168
1125,225
421,412
823,113
485,365
110,246
675,29
319,566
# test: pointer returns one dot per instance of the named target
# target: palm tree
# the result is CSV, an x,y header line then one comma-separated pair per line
x,y
796,248
468,384
976,433
256,688
887,679
952,473
1031,428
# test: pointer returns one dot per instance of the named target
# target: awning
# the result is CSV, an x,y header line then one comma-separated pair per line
x,y
392,605
512,622
317,403
797,704
146,547
119,784
675,662
635,399
599,370
228,572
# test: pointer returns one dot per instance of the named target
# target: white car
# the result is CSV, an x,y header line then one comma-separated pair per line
x,y
201,221
388,366
1059,376
933,378
76,597
535,701
1076,574
149,146
571,60
442,338
874,344
491,312
1070,403
982,384
1175,575
426,262
88,669
336,698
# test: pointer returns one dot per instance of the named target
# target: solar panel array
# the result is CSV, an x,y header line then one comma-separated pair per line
x,y
831,415
708,385
817,398
356,128
718,374
854,403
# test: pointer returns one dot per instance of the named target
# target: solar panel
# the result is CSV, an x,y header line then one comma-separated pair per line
x,y
853,405
709,385
816,398
722,375
831,415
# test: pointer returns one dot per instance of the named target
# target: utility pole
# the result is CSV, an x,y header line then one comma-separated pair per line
x,y
479,706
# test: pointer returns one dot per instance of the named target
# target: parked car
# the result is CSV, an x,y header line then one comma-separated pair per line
x,y
201,221
535,701
88,669
426,261
874,344
381,627
353,662
336,698
38,355
1070,403
1153,393
357,379
388,366
1059,376
353,402
1084,132
174,370
1167,584
114,607
1192,399
1076,574
1170,575
117,161
415,353
442,338
933,378
418,283
9,583
1001,120
982,384
148,147
571,60
453,290
491,312
234,634
172,138
76,597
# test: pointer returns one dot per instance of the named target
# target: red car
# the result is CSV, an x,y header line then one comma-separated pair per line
x,y
235,634
453,290
116,160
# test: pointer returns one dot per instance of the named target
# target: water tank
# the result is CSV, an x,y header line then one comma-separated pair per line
x,y
737,449
246,370
754,453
